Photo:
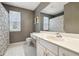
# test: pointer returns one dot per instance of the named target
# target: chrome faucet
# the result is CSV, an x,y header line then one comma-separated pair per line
x,y
58,35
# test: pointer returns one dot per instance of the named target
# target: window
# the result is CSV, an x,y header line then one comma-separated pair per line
x,y
45,23
15,20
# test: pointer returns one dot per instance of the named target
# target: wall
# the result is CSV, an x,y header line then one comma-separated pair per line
x,y
4,30
37,13
41,19
26,26
71,17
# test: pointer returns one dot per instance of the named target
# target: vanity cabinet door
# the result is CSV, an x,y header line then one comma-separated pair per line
x,y
51,47
49,53
40,50
65,52
43,51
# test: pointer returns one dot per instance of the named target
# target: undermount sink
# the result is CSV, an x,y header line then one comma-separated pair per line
x,y
49,36
53,37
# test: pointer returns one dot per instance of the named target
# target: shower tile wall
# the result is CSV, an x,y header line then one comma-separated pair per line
x,y
56,24
4,30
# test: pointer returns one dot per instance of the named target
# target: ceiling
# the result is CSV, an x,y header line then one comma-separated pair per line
x,y
27,5
54,8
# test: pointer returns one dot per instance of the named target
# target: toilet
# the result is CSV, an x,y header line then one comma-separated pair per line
x,y
28,41
31,42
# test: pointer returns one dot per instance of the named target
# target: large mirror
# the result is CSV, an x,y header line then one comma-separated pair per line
x,y
62,17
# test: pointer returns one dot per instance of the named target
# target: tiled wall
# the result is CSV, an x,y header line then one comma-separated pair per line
x,y
4,30
56,24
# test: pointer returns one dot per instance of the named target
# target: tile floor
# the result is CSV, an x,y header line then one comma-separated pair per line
x,y
20,49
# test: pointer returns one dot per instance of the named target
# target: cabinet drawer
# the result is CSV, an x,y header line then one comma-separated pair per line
x,y
65,52
53,48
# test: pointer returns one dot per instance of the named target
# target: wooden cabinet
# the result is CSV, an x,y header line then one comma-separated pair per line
x,y
40,50
43,50
52,47
65,52
49,53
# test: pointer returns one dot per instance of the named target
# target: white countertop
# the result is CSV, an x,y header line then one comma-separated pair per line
x,y
66,42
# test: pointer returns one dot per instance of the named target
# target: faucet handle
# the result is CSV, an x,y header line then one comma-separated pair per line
x,y
59,35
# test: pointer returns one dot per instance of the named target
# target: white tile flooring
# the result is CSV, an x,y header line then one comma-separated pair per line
x,y
20,49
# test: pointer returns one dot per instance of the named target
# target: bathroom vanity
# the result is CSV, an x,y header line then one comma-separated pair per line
x,y
48,44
